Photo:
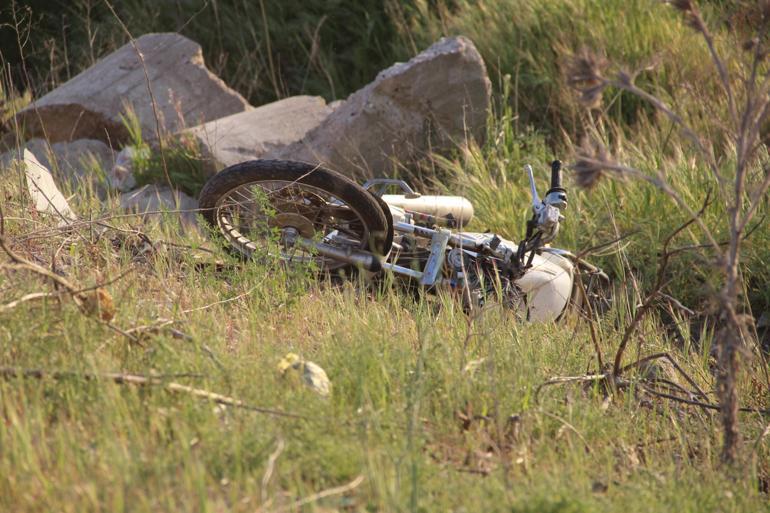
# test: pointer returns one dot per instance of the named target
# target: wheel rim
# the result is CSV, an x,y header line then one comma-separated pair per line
x,y
260,216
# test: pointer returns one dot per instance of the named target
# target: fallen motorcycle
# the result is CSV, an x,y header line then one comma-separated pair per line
x,y
304,213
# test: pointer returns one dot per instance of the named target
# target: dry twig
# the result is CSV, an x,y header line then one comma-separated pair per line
x,y
339,490
657,288
268,475
740,202
135,379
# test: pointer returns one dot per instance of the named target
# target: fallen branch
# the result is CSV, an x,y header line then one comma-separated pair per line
x,y
22,264
24,299
700,404
322,494
618,383
76,293
679,369
569,379
135,379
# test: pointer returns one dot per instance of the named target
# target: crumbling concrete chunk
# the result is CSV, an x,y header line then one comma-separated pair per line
x,y
251,134
153,200
438,100
90,105
42,189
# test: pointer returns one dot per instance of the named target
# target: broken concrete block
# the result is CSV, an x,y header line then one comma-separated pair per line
x,y
436,101
42,189
90,105
251,134
153,200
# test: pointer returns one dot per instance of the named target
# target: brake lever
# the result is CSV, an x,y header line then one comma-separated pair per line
x,y
533,187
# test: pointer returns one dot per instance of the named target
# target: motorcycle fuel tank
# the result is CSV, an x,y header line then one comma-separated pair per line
x,y
456,207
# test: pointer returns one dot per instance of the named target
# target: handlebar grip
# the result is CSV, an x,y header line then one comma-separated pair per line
x,y
556,174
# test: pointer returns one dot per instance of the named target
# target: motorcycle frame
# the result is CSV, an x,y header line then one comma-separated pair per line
x,y
440,239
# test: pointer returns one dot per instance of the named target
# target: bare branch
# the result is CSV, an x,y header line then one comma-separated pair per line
x,y
755,200
135,379
657,288
339,490
28,297
718,62
668,357
656,102
700,404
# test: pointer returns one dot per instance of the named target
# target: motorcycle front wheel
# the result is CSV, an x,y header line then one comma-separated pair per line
x,y
593,294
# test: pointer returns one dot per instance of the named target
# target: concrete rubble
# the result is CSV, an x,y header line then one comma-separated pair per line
x,y
95,103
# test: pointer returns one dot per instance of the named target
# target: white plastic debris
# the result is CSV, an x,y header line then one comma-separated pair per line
x,y
472,366
309,373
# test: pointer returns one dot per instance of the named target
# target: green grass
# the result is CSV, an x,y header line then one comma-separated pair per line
x,y
175,161
396,362
265,49
274,48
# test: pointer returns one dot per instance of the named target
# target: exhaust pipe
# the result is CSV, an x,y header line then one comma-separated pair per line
x,y
350,256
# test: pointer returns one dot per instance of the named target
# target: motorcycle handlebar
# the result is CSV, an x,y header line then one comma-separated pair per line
x,y
556,174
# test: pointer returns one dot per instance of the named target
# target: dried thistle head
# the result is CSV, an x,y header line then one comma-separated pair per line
x,y
99,303
755,16
585,73
691,14
750,44
685,6
593,161
587,173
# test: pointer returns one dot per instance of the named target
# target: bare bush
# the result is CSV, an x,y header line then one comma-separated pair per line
x,y
742,184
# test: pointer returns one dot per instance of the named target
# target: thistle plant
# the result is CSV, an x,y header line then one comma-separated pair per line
x,y
741,173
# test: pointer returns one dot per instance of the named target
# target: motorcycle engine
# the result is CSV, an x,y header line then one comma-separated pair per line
x,y
482,284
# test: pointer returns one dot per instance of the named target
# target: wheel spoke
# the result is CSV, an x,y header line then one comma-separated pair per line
x,y
249,209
